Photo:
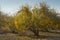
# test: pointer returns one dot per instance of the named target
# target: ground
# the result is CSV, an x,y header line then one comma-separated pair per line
x,y
43,36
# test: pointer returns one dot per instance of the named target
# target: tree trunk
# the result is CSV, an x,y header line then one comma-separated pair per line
x,y
36,33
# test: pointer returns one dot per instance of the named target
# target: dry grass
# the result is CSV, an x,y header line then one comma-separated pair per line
x,y
10,36
16,37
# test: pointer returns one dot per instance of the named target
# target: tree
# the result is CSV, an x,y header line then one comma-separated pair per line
x,y
23,19
4,25
39,19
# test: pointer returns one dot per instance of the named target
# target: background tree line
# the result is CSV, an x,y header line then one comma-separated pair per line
x,y
38,19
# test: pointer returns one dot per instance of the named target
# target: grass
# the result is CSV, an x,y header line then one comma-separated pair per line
x,y
16,37
43,36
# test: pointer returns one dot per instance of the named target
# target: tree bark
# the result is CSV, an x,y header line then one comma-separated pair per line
x,y
36,33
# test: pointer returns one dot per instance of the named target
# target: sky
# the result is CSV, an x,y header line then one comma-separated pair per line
x,y
11,6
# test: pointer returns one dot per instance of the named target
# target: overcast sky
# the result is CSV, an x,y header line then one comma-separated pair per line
x,y
13,5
